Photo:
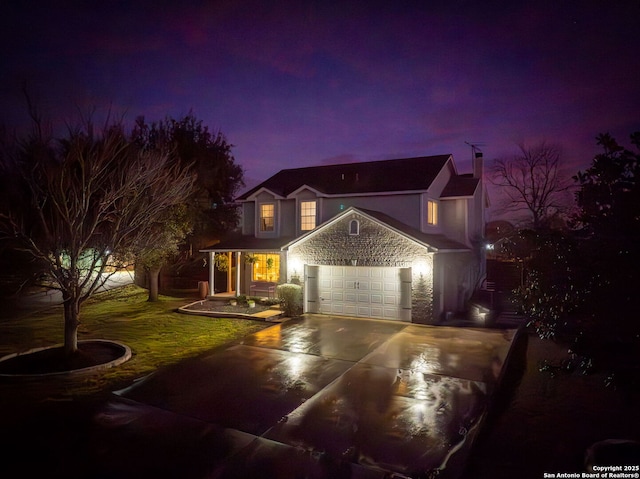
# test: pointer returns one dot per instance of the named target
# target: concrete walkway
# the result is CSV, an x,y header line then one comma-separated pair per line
x,y
318,397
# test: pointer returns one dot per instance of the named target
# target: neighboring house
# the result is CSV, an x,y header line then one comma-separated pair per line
x,y
395,239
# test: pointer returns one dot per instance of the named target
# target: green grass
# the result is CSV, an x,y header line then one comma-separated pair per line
x,y
156,333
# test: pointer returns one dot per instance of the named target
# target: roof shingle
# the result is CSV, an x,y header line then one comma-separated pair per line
x,y
406,174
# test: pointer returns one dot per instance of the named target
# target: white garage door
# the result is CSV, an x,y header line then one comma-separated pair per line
x,y
373,292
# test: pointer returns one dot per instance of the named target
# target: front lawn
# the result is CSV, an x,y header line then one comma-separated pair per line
x,y
156,333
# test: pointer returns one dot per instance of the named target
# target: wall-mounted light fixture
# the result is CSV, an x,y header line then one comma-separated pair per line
x,y
422,267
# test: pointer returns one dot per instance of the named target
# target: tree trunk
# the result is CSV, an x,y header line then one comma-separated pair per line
x,y
154,281
71,323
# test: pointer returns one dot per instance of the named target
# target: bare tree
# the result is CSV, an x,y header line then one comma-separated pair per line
x,y
77,203
532,182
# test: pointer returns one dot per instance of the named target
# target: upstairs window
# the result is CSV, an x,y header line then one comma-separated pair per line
x,y
307,215
267,220
354,227
432,213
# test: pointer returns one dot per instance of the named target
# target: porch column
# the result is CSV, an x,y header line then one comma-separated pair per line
x,y
238,272
212,273
229,274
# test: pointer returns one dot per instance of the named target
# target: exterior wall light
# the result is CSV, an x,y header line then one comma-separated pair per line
x,y
295,268
422,268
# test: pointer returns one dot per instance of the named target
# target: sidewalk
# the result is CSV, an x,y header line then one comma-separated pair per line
x,y
42,299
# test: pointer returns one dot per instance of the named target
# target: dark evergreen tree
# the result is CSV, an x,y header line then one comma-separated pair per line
x,y
219,178
609,222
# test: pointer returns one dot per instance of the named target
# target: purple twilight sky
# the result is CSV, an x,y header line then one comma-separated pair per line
x,y
300,83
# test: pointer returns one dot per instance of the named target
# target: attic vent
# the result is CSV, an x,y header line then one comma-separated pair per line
x,y
354,227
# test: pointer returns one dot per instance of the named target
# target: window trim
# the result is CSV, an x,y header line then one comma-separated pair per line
x,y
302,216
261,218
260,263
432,212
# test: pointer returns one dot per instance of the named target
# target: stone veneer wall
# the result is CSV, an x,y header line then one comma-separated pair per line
x,y
375,245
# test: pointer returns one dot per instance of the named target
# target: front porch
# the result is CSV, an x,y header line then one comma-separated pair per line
x,y
250,273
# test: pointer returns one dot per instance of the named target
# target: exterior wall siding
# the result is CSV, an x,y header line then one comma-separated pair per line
x,y
458,273
288,218
248,218
454,217
401,207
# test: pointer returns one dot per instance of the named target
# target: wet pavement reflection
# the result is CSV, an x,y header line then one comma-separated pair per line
x,y
317,397
331,337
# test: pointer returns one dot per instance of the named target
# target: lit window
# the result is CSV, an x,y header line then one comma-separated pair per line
x,y
266,267
432,212
354,227
307,215
267,217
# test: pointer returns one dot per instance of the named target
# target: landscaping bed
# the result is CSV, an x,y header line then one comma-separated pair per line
x,y
225,309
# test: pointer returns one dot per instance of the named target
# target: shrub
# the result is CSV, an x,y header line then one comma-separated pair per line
x,y
291,297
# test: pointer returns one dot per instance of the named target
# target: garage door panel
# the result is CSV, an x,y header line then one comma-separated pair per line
x,y
364,298
391,273
390,286
350,309
391,300
363,272
337,271
337,308
361,291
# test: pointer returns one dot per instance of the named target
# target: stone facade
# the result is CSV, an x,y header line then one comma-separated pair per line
x,y
373,245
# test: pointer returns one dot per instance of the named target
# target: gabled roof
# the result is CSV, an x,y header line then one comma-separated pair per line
x,y
436,242
460,185
406,174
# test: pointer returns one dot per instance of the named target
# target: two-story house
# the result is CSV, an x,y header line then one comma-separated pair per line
x,y
394,239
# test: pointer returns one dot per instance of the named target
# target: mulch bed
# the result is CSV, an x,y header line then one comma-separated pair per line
x,y
218,306
54,360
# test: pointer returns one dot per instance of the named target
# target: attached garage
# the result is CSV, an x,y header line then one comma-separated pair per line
x,y
361,291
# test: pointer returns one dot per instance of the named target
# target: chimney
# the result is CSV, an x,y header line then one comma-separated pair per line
x,y
478,165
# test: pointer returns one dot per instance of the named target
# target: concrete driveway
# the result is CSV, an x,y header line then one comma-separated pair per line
x,y
317,397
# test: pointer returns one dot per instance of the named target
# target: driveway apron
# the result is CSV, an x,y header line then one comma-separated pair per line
x,y
319,396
